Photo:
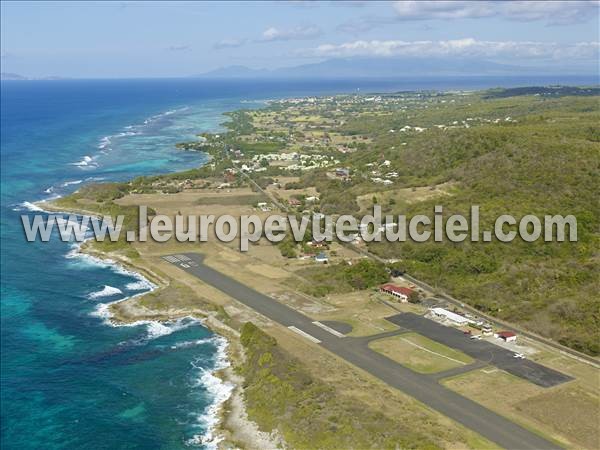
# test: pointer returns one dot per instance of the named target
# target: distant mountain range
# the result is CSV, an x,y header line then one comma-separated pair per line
x,y
389,68
11,76
16,76
383,68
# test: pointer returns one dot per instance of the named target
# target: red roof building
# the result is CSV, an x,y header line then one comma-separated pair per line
x,y
318,243
508,336
397,291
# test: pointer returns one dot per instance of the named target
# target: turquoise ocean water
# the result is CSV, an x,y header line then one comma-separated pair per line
x,y
70,380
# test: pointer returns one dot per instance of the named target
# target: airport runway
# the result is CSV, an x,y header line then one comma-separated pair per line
x,y
426,389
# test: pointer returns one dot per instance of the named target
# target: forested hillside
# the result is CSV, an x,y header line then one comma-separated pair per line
x,y
545,160
518,152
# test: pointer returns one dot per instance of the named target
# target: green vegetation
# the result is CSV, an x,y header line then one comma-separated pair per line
x,y
544,164
513,151
510,151
281,394
343,277
420,353
240,123
543,90
100,199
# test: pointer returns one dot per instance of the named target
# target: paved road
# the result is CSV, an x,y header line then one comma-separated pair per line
x,y
569,351
426,389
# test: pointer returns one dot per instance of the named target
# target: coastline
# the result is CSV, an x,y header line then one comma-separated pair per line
x,y
230,427
131,310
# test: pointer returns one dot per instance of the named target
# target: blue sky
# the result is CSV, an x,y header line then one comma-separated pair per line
x,y
158,39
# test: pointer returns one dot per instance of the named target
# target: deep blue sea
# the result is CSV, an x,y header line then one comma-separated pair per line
x,y
70,380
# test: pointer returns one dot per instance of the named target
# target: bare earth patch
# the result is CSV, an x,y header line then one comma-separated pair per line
x,y
406,195
268,271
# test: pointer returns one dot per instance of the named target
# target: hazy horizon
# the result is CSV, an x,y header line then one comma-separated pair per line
x,y
179,39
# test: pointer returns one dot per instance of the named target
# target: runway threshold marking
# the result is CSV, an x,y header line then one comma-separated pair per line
x,y
182,260
305,334
329,329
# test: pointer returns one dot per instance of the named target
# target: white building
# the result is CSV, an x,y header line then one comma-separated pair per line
x,y
449,315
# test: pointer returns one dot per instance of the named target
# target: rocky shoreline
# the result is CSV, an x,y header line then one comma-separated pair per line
x,y
234,429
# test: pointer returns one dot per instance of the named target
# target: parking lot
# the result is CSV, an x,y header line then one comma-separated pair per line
x,y
481,350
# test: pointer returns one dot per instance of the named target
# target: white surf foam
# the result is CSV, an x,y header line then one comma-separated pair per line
x,y
158,329
140,285
104,142
83,162
164,114
31,206
106,291
128,133
188,344
70,183
86,162
27,206
219,390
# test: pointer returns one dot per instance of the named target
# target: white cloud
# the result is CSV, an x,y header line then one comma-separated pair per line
x,y
553,12
468,48
296,33
422,10
229,43
178,48
273,34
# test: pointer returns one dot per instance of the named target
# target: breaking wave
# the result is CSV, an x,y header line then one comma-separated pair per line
x,y
27,206
140,285
70,183
219,391
106,291
156,329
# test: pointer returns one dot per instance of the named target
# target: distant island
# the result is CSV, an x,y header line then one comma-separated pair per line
x,y
11,76
393,67
8,76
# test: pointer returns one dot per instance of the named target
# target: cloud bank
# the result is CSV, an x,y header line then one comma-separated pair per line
x,y
550,12
468,47
553,12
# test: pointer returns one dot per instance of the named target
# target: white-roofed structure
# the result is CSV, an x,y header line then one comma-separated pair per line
x,y
449,315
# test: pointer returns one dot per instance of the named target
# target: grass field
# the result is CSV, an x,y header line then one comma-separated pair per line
x,y
569,413
420,353
281,393
231,200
